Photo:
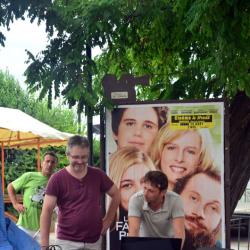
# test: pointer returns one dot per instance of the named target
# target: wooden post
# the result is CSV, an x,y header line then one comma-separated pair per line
x,y
3,168
38,156
88,108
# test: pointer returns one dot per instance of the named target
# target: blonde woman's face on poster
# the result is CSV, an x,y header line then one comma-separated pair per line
x,y
181,156
131,182
137,128
201,198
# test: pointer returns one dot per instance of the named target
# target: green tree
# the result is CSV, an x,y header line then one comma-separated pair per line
x,y
191,49
13,96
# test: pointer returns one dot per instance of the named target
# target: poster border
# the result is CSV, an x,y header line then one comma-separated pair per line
x,y
225,145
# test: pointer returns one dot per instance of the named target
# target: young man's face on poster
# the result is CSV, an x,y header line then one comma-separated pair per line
x,y
138,127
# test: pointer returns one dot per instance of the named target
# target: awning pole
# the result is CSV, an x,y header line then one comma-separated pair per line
x,y
38,156
3,168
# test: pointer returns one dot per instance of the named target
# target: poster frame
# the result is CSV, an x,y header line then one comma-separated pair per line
x,y
225,146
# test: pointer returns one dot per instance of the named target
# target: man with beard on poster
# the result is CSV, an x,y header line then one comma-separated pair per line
x,y
201,195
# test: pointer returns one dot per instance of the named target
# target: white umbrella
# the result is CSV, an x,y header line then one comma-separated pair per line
x,y
19,130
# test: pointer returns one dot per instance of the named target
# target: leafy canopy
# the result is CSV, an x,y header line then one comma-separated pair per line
x,y
191,49
13,96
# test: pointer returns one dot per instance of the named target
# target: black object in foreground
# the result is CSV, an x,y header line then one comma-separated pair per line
x,y
149,243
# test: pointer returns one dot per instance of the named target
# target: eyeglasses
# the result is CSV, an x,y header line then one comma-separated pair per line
x,y
79,157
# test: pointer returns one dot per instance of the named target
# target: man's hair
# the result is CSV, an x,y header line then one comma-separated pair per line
x,y
51,153
117,114
77,140
157,179
182,182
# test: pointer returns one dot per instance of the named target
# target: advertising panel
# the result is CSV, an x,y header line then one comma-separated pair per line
x,y
186,142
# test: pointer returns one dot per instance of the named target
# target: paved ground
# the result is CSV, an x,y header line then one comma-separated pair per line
x,y
52,238
243,245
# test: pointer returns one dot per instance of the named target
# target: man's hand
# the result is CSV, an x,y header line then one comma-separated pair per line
x,y
179,229
133,225
106,222
114,193
49,203
44,247
19,207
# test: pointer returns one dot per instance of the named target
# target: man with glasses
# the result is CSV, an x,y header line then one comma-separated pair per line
x,y
77,191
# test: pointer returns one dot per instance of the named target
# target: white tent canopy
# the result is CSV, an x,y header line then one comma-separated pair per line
x,y
19,130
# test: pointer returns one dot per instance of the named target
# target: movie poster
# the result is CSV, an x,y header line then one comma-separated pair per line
x,y
185,141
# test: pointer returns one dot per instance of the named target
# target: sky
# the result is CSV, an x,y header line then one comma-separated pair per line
x,y
22,35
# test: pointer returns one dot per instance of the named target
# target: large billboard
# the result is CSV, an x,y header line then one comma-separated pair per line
x,y
186,142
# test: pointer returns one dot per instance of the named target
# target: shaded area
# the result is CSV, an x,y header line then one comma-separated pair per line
x,y
239,147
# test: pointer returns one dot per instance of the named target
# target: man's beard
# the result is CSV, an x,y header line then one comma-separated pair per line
x,y
201,237
192,242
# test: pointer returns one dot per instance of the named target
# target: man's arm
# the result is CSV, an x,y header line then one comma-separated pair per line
x,y
133,225
114,193
179,229
12,194
49,204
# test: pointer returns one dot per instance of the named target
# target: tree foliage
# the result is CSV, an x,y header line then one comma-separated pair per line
x,y
18,161
13,96
191,49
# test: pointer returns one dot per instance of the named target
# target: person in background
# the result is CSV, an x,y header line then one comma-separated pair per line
x,y
156,212
77,191
33,185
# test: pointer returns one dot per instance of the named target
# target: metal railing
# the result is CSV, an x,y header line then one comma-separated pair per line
x,y
246,196
240,224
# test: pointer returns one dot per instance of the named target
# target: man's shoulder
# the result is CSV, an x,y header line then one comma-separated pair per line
x,y
95,171
175,204
172,195
30,175
139,197
59,173
28,178
173,198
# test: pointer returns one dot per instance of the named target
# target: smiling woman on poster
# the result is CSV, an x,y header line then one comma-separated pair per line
x,y
127,166
137,126
179,152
